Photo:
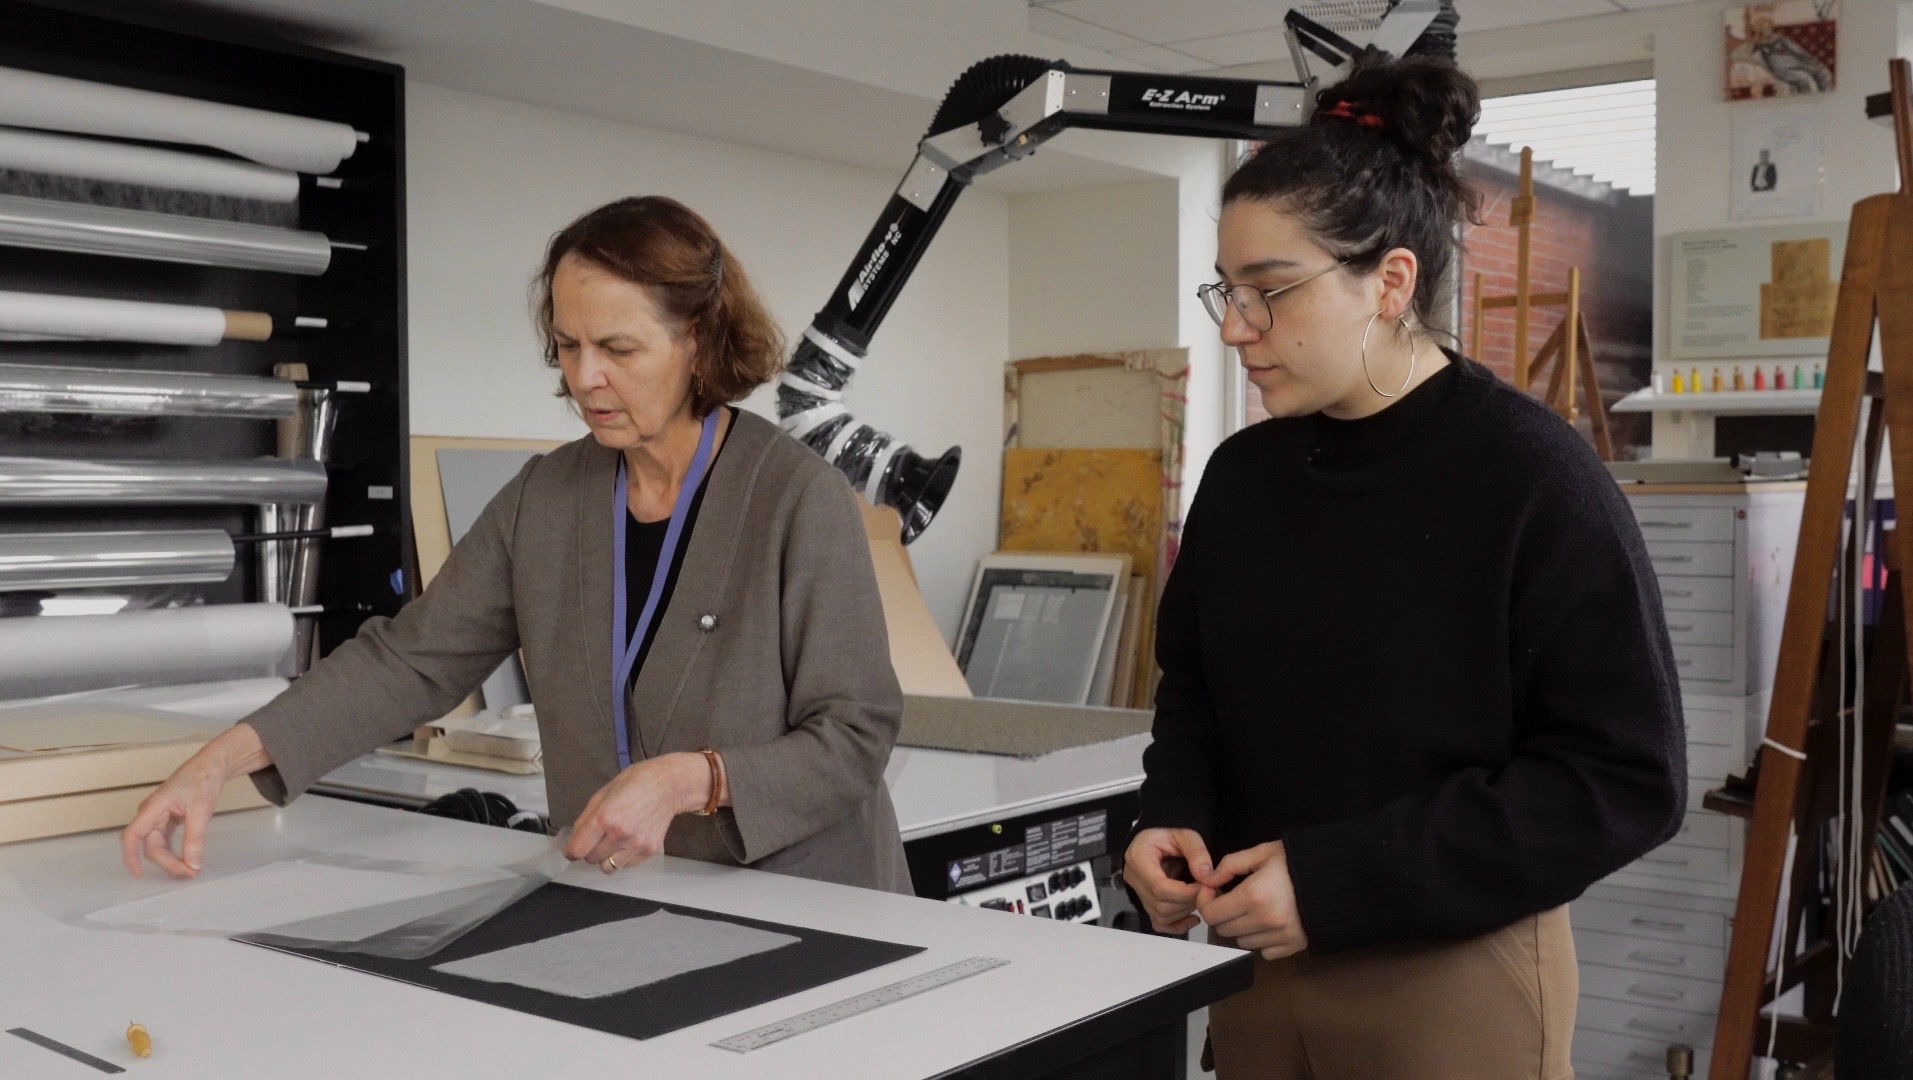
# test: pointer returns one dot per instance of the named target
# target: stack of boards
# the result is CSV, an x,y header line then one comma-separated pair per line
x,y
72,767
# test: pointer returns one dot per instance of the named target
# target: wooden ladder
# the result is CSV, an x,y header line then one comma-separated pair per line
x,y
1794,780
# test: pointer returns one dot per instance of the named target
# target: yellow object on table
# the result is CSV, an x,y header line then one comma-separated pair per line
x,y
139,1040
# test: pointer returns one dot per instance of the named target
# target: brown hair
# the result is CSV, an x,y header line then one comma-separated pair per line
x,y
665,246
1374,169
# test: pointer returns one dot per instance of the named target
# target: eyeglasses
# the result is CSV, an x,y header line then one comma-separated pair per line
x,y
1249,302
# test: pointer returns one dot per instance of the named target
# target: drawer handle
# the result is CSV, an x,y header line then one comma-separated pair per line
x,y
1678,594
1653,993
1681,662
1680,628
1659,959
1663,861
1672,558
1659,924
1669,1030
1667,524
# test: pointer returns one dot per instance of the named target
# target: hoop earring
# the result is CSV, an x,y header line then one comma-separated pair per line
x,y
1403,322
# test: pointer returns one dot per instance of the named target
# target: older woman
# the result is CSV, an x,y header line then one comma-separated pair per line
x,y
700,627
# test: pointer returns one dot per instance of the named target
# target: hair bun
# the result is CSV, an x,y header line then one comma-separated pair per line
x,y
1425,102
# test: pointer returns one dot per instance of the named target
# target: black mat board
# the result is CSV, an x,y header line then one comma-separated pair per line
x,y
643,1012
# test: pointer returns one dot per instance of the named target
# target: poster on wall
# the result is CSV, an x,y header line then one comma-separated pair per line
x,y
1776,169
1781,49
1749,293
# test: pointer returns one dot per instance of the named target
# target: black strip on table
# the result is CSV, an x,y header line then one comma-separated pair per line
x,y
643,1012
64,1050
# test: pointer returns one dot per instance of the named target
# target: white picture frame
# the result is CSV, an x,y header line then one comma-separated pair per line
x,y
1034,625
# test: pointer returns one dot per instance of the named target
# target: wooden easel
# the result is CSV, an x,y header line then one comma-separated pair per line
x,y
1794,778
1568,347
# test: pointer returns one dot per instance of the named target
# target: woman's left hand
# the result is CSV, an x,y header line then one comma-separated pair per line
x,y
1259,913
625,822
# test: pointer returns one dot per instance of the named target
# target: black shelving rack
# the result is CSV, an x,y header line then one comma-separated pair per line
x,y
361,295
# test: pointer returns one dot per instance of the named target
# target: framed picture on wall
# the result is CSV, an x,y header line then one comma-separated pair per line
x,y
1776,170
1781,49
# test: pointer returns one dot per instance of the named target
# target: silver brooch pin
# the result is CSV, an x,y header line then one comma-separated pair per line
x,y
707,622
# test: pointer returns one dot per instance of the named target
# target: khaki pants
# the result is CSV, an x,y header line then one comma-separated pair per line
x,y
1496,1007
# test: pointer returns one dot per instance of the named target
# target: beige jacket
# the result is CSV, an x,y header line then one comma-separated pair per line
x,y
792,684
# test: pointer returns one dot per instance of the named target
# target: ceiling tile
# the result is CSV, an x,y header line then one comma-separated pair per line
x,y
1249,47
1479,15
1045,21
1160,59
1156,22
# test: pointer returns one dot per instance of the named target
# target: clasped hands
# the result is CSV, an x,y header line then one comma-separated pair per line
x,y
1258,913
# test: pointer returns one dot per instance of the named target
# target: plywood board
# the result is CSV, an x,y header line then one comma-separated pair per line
x,y
918,652
37,776
31,819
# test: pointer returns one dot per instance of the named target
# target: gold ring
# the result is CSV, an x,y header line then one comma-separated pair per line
x,y
611,861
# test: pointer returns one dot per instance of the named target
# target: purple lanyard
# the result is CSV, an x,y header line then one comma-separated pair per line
x,y
624,654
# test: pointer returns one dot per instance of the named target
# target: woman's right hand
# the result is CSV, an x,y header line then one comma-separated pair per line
x,y
188,796
1169,903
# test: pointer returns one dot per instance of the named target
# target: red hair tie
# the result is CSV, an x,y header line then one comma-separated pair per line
x,y
1343,110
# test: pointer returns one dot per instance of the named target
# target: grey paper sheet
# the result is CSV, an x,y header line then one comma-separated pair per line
x,y
1023,729
613,957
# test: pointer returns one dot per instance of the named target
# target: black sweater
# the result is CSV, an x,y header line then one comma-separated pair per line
x,y
1426,650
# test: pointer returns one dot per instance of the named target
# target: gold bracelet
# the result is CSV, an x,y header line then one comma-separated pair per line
x,y
717,780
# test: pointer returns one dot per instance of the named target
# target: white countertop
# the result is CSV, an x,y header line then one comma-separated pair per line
x,y
935,791
222,1009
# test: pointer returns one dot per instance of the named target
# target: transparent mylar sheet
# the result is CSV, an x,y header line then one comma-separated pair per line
x,y
263,888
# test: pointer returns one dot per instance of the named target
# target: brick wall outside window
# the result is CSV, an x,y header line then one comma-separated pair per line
x,y
1613,246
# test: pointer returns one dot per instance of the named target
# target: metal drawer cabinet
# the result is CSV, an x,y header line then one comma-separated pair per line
x,y
1647,921
1685,522
1646,1022
1661,957
1644,1053
1691,560
1649,988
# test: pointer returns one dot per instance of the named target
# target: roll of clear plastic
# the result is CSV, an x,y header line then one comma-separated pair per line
x,y
225,699
88,560
57,103
53,225
85,318
146,166
117,392
53,482
44,654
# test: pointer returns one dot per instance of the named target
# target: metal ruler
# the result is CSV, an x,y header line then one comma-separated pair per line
x,y
862,1003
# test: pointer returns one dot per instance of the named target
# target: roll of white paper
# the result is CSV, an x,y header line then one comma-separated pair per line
x,y
54,225
91,159
34,561
117,392
57,103
54,482
85,318
163,647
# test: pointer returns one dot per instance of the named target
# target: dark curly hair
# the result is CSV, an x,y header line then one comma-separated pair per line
x,y
1374,168
693,278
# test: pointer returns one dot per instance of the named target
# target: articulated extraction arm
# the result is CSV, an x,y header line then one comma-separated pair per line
x,y
1000,111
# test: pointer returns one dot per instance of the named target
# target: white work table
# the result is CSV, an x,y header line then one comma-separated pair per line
x,y
936,791
221,1009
